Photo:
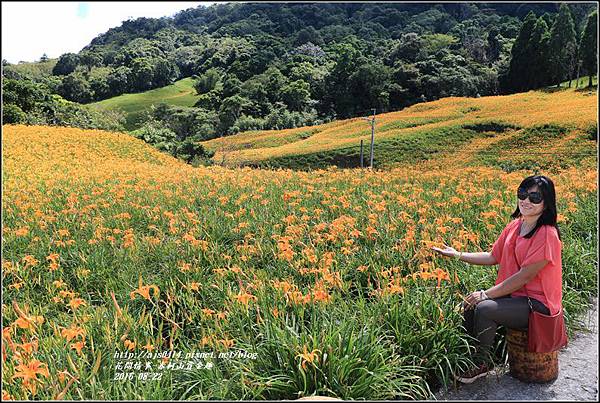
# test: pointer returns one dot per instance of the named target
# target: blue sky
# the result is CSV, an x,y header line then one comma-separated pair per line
x,y
30,29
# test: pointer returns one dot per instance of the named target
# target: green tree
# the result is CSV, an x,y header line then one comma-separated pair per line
x,y
308,34
231,86
66,64
165,72
274,82
208,81
76,88
256,91
435,42
90,59
407,78
142,74
119,80
589,46
339,96
369,85
100,88
538,73
190,149
562,45
23,93
186,58
155,133
517,77
11,113
231,109
296,95
494,47
186,121
409,48
211,100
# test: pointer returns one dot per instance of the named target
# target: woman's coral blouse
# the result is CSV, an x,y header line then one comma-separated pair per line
x,y
513,251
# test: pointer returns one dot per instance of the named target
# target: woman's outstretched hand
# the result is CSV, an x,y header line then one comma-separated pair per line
x,y
473,299
448,251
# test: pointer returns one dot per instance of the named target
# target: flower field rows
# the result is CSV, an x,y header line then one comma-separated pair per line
x,y
573,109
313,282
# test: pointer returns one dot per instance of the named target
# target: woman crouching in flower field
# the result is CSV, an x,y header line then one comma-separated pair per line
x,y
529,254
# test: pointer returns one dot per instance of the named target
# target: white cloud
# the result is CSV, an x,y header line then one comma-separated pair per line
x,y
30,29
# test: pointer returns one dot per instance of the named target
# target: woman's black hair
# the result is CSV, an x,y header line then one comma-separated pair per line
x,y
549,215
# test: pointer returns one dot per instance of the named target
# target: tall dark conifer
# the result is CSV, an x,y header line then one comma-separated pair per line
x,y
589,46
520,54
563,45
537,73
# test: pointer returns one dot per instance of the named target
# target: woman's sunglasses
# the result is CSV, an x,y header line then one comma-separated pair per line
x,y
534,197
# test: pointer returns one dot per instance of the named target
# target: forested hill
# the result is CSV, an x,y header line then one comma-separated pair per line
x,y
282,65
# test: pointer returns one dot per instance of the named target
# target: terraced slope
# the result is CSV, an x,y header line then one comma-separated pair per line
x,y
425,130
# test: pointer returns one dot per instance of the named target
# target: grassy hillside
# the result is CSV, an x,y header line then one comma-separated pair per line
x,y
181,93
34,70
110,246
470,126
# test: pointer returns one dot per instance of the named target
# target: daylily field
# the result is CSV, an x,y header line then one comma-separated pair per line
x,y
309,282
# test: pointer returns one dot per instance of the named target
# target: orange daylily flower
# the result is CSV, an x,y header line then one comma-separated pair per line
x,y
65,294
321,295
244,298
308,357
17,285
29,373
144,291
78,346
130,345
27,323
441,275
76,303
72,332
28,348
226,342
53,257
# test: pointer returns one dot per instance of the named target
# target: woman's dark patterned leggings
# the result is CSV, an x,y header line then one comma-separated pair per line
x,y
512,312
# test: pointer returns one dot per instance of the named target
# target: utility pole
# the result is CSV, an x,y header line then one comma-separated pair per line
x,y
372,136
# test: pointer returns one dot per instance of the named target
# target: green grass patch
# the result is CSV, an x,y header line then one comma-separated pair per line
x,y
406,123
34,70
492,126
180,93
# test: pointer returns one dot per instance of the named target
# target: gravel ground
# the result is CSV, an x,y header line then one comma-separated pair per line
x,y
577,375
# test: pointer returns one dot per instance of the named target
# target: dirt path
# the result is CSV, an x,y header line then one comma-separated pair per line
x,y
577,378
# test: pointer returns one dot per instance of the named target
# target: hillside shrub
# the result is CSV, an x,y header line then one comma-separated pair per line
x,y
11,113
592,132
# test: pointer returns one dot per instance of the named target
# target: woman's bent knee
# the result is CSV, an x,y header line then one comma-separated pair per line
x,y
486,308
